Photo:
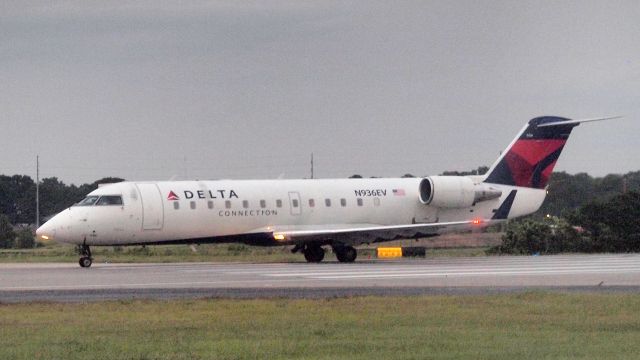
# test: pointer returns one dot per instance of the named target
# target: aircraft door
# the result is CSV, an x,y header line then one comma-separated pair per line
x,y
294,203
152,207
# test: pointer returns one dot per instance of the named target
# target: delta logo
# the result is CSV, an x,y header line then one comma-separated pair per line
x,y
172,196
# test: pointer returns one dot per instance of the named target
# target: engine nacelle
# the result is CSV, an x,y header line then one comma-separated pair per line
x,y
454,192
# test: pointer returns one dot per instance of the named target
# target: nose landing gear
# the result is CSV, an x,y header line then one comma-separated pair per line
x,y
85,256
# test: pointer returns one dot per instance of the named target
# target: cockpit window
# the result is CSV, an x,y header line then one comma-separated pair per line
x,y
88,201
109,200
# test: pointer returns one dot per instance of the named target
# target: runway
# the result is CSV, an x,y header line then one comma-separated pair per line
x,y
480,275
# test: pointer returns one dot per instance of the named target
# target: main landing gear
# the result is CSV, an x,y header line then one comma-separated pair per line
x,y
346,254
315,253
85,256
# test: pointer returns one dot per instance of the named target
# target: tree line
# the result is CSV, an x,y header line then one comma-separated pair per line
x,y
566,193
18,197
603,207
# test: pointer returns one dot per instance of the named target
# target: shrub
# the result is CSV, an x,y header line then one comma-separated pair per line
x,y
526,237
7,235
549,237
25,239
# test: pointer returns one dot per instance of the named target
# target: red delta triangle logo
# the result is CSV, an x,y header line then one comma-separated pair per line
x,y
172,196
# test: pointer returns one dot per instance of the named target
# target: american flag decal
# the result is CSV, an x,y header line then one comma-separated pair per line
x,y
398,192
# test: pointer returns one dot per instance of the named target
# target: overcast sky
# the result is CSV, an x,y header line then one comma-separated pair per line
x,y
151,90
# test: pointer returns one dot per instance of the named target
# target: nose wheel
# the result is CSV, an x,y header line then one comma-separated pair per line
x,y
85,256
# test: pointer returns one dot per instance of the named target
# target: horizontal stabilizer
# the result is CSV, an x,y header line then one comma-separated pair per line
x,y
567,122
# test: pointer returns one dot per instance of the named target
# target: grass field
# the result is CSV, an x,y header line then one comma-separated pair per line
x,y
52,252
516,326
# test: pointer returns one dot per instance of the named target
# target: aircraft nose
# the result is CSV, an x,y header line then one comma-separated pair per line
x,y
55,229
46,232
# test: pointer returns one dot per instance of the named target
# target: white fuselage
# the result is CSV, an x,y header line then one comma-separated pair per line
x,y
157,212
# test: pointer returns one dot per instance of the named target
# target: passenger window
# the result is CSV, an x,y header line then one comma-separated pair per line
x,y
210,204
176,205
343,202
109,200
327,202
263,204
88,201
376,201
192,205
294,202
312,203
227,204
279,203
359,201
245,203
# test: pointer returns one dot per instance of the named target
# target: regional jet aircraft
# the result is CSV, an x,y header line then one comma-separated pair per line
x,y
311,214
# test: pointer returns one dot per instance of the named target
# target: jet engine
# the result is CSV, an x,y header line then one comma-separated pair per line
x,y
454,192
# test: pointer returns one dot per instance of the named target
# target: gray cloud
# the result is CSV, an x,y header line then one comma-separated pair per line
x,y
248,90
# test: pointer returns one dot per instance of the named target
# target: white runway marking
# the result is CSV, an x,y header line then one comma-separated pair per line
x,y
465,267
485,273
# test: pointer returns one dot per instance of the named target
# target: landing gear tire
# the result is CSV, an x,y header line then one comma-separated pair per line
x,y
313,254
345,254
85,256
85,262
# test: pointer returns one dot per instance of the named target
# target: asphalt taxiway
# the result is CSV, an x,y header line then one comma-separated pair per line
x,y
480,275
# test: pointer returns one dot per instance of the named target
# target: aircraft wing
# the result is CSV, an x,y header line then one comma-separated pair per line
x,y
365,233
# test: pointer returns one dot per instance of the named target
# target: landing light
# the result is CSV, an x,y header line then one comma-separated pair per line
x,y
278,237
44,237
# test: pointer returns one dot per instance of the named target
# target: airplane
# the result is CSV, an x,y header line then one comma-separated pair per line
x,y
311,213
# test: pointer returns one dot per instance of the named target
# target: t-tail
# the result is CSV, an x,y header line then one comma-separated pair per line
x,y
526,165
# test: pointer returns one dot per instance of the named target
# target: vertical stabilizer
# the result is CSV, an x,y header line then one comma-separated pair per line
x,y
530,158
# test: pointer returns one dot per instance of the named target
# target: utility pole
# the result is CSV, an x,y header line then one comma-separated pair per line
x,y
312,165
37,191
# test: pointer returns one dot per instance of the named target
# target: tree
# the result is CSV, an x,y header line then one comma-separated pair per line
x,y
17,198
7,235
613,224
106,180
567,192
481,170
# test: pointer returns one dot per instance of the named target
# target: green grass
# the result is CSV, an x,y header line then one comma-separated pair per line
x,y
517,326
52,252
166,253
